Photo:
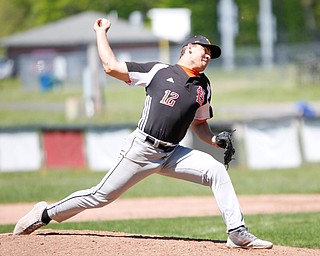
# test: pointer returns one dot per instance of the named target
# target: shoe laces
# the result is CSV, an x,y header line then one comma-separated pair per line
x,y
243,232
241,236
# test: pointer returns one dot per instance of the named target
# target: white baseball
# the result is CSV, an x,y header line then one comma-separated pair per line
x,y
103,22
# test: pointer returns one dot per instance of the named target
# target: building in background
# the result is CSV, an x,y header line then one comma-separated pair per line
x,y
64,53
71,38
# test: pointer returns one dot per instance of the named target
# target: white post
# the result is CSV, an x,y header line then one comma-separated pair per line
x,y
228,26
93,61
266,32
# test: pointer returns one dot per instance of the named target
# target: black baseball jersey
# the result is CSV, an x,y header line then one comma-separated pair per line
x,y
173,99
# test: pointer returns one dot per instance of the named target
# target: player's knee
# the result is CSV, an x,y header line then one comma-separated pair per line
x,y
99,198
106,194
215,173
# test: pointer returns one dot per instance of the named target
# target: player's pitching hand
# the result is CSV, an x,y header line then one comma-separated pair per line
x,y
102,24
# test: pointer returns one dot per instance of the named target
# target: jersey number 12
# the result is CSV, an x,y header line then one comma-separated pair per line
x,y
169,98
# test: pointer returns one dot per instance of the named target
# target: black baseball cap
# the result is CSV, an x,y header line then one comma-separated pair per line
x,y
215,49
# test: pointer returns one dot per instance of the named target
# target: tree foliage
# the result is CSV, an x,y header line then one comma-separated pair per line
x,y
247,20
290,20
297,20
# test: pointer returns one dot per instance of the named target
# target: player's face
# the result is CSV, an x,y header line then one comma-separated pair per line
x,y
202,57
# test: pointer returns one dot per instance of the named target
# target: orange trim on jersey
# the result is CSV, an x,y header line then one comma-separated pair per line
x,y
190,72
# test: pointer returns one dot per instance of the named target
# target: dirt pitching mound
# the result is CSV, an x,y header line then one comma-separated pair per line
x,y
47,242
72,243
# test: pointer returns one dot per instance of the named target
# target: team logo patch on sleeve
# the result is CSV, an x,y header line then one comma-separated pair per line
x,y
200,95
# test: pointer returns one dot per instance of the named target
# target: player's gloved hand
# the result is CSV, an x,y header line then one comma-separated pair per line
x,y
224,140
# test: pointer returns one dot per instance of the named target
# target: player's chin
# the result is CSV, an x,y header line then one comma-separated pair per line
x,y
203,66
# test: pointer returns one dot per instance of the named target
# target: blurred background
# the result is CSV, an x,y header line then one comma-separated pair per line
x,y
59,110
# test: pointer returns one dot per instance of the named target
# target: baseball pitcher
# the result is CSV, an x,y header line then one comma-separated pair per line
x,y
177,97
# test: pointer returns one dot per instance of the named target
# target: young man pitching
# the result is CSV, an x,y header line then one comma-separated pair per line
x,y
177,97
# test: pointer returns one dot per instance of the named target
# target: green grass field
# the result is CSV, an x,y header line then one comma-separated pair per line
x,y
56,184
299,230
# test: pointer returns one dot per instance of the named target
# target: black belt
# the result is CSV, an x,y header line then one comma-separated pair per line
x,y
161,146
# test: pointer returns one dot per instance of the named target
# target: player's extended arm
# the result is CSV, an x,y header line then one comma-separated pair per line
x,y
110,63
202,130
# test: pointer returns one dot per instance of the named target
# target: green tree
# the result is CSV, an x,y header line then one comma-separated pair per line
x,y
247,21
13,17
297,20
311,11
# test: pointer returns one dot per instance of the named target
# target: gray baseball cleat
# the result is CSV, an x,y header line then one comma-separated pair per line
x,y
31,221
241,238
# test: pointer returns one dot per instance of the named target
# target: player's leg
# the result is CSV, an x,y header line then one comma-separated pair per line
x,y
114,184
199,167
133,165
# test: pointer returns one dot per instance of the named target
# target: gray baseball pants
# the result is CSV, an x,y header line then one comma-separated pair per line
x,y
139,159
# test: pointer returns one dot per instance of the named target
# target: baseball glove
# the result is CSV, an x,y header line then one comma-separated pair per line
x,y
224,140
